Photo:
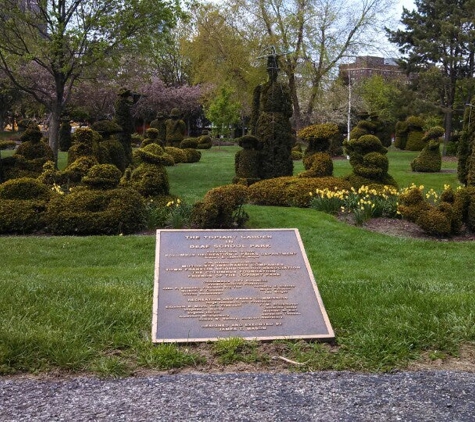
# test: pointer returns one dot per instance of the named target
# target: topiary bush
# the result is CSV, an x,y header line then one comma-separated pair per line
x,y
102,176
29,157
179,156
205,141
150,178
152,137
221,208
96,212
296,155
292,191
22,205
415,134
189,143
430,158
85,144
270,123
325,137
369,162
65,138
192,155
319,164
24,188
400,139
247,161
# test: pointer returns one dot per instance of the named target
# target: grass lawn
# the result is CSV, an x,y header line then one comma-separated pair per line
x,y
84,304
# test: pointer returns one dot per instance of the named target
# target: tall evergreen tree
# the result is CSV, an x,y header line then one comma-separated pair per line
x,y
441,34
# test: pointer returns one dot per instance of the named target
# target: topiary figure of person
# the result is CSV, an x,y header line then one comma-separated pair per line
x,y
65,138
99,206
415,134
400,138
205,141
320,138
247,161
175,129
319,164
108,149
152,137
270,123
430,159
160,124
369,162
29,157
150,178
23,202
123,117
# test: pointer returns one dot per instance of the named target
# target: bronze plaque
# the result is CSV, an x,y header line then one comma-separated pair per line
x,y
254,284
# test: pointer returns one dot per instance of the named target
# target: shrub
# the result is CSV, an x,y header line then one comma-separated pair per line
x,y
192,155
292,191
24,189
65,138
7,145
106,128
150,180
21,216
102,176
179,156
111,151
75,171
247,161
205,141
411,203
296,155
400,135
92,212
430,159
189,143
319,164
415,134
22,205
221,208
436,221
323,137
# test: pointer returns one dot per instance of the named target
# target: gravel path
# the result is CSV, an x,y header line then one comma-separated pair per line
x,y
319,396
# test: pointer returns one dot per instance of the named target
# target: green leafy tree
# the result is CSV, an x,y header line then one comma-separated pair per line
x,y
439,34
223,112
312,36
47,45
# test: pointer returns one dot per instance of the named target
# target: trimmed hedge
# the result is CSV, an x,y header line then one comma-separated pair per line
x,y
96,212
221,208
292,191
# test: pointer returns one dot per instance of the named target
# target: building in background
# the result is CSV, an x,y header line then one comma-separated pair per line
x,y
365,67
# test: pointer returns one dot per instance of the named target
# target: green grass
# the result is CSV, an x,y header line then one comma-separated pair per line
x,y
84,304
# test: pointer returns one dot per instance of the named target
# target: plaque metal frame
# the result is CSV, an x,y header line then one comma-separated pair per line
x,y
254,284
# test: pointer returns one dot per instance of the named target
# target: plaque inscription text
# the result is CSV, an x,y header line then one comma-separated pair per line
x,y
212,284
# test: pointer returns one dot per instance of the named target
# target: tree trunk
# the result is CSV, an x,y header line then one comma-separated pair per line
x,y
448,129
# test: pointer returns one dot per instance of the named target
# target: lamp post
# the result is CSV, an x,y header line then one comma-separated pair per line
x,y
349,105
